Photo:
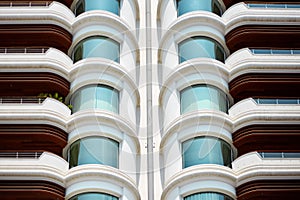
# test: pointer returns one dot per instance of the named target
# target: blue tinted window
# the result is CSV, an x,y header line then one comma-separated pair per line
x,y
208,196
185,6
97,46
94,150
112,6
94,196
202,97
200,47
206,150
96,97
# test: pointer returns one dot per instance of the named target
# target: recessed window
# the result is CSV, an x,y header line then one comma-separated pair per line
x,y
185,6
94,196
112,6
202,97
97,46
94,150
99,96
206,150
200,47
208,196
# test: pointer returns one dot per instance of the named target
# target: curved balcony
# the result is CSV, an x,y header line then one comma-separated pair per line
x,y
183,9
174,95
252,27
254,177
247,61
206,178
96,71
100,179
29,177
254,122
111,7
185,129
38,59
51,112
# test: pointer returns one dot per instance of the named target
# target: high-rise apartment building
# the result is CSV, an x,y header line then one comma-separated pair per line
x,y
149,100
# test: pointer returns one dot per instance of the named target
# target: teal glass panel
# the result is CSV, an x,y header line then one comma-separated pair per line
x,y
97,46
185,6
101,97
94,150
206,150
112,6
202,97
200,47
94,196
208,196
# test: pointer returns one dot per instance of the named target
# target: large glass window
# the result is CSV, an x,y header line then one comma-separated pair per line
x,y
200,47
206,150
94,150
94,196
202,96
185,6
112,6
97,46
208,196
100,96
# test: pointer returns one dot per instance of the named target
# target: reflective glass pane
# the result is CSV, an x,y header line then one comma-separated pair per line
x,y
287,101
185,6
200,47
281,51
200,97
208,196
94,150
94,196
267,101
206,150
112,6
96,97
97,46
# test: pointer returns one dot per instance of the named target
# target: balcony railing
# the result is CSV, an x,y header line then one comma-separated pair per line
x,y
277,101
21,100
35,155
279,154
275,51
23,50
24,3
267,5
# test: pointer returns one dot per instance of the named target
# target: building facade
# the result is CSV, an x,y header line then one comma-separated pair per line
x,y
149,100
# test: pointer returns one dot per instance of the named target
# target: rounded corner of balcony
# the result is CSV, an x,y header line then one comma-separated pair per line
x,y
210,177
108,179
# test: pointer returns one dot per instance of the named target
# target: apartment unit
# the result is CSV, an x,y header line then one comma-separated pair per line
x,y
149,100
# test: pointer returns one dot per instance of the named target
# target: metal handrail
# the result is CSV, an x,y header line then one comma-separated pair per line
x,y
279,154
27,50
35,155
21,100
275,51
272,5
25,4
277,101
